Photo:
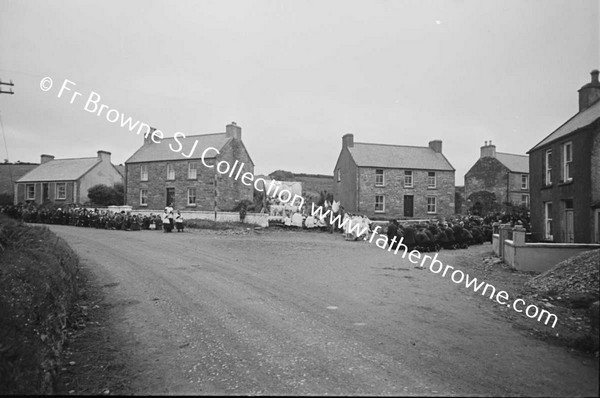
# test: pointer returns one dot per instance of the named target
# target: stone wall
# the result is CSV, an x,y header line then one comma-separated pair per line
x,y
394,192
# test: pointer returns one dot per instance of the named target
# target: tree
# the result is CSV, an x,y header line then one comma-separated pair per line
x,y
103,195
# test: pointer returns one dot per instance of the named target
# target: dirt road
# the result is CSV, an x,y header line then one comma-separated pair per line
x,y
308,313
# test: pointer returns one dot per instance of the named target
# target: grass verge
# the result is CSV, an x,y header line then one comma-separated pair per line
x,y
38,284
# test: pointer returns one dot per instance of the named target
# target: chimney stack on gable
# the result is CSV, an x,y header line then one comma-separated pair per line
x,y
46,158
436,145
589,93
104,156
148,137
488,150
348,140
232,130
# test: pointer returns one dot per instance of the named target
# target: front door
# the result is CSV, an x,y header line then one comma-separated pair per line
x,y
45,192
570,234
170,196
408,206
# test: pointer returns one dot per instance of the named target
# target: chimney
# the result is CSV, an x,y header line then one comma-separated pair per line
x,y
232,130
148,137
436,145
46,158
589,93
488,150
104,156
348,140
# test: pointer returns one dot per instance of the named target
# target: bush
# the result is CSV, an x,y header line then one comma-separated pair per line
x,y
103,195
37,287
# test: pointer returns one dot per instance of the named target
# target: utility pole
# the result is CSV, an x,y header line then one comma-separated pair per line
x,y
6,84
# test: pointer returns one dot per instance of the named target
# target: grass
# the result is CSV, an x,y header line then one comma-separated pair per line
x,y
38,274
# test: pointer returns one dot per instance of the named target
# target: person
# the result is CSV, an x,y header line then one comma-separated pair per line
x,y
242,212
171,218
179,221
166,222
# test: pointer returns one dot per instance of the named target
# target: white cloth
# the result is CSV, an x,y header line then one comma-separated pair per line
x,y
297,220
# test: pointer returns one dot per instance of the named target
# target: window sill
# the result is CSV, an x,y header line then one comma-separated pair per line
x,y
192,205
380,211
431,188
146,205
547,186
61,199
379,186
146,180
407,187
433,214
562,183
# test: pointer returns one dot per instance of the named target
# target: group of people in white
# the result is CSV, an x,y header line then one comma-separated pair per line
x,y
171,219
332,216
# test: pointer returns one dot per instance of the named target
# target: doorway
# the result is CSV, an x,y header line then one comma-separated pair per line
x,y
170,196
408,205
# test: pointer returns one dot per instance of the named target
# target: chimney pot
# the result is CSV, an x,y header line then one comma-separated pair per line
x,y
348,140
148,137
488,150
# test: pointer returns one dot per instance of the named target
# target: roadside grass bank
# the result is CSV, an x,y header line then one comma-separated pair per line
x,y
38,286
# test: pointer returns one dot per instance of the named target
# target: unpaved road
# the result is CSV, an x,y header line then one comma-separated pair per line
x,y
308,313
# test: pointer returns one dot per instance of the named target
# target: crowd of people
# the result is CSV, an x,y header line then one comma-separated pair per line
x,y
168,221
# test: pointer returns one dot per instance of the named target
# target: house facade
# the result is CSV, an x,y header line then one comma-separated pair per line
x,y
497,179
9,174
394,181
66,181
193,178
565,178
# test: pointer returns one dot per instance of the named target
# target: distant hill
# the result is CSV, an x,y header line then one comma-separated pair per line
x,y
311,183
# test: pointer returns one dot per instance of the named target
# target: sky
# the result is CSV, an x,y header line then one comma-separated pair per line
x,y
296,75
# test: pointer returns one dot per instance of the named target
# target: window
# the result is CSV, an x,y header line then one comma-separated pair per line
x,y
379,204
431,179
170,171
191,192
379,178
525,200
524,181
548,163
144,172
408,179
30,191
192,171
61,190
339,175
567,159
548,220
143,197
431,205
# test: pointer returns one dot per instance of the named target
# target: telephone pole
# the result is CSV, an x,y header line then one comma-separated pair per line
x,y
6,84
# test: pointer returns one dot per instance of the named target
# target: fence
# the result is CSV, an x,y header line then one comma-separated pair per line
x,y
509,244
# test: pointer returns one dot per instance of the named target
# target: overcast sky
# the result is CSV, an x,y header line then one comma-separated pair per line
x,y
296,75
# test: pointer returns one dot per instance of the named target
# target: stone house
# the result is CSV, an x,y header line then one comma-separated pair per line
x,y
497,179
565,175
66,181
184,172
9,174
394,181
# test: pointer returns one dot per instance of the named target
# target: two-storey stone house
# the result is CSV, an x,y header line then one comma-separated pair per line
x,y
183,172
565,175
497,179
394,181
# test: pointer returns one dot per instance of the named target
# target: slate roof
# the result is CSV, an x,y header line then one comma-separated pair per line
x,y
580,120
398,157
162,151
516,163
60,170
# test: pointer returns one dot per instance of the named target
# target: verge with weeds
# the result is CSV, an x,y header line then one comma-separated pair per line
x,y
38,275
